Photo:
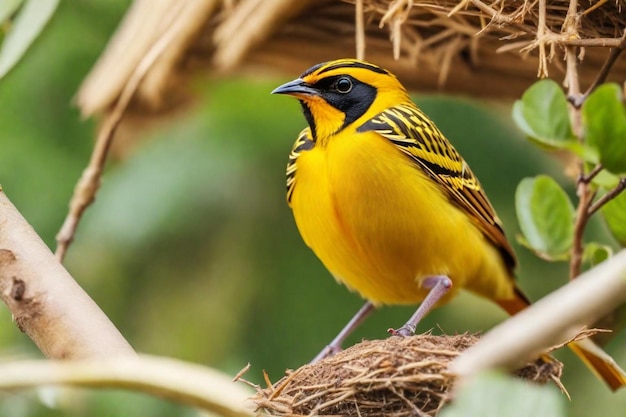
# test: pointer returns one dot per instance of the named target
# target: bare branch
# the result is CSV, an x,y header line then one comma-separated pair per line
x,y
89,183
592,174
556,318
46,303
175,380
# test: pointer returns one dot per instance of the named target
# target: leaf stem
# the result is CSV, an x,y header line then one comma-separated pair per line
x,y
592,174
585,200
570,27
610,195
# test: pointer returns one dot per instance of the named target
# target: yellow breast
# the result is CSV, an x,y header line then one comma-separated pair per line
x,y
380,225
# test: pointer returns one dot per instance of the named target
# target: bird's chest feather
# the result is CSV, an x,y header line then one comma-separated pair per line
x,y
375,220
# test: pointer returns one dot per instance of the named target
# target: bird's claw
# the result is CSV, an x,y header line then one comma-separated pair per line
x,y
404,331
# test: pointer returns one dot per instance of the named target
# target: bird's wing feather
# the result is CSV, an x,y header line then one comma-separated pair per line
x,y
416,135
304,142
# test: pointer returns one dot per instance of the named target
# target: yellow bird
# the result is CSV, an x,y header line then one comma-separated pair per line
x,y
391,208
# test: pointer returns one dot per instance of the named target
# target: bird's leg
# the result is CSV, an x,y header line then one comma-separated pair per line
x,y
439,286
335,345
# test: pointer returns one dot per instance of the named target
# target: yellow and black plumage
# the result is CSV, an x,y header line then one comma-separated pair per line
x,y
386,202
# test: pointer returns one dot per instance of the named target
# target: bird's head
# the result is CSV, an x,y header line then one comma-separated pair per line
x,y
336,94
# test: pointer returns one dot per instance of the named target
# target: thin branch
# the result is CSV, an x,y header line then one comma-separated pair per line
x,y
610,195
585,196
500,18
592,174
573,83
582,188
45,301
585,199
579,303
174,380
593,42
606,68
89,183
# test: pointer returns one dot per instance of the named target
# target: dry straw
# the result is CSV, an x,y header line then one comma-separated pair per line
x,y
489,49
439,30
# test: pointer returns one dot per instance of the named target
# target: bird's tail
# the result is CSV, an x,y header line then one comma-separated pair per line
x,y
592,355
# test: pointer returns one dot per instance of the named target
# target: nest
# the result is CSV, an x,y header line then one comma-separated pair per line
x,y
398,376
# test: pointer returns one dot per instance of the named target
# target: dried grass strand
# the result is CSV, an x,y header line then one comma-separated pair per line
x,y
394,377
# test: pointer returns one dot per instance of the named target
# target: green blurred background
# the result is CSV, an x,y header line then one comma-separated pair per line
x,y
190,248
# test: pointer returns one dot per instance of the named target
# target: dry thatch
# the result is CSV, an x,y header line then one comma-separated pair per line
x,y
398,376
489,49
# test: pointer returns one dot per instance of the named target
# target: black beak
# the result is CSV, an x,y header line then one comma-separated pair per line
x,y
296,87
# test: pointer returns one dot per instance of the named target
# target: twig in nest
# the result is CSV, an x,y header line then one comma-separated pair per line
x,y
89,182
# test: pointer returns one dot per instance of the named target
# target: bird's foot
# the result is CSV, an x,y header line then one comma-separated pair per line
x,y
404,331
439,286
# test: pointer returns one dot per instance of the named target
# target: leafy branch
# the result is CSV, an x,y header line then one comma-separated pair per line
x,y
593,133
591,126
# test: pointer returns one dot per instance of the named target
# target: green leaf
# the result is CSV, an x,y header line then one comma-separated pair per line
x,y
606,180
604,120
497,395
542,114
596,253
7,8
614,213
585,152
546,217
28,24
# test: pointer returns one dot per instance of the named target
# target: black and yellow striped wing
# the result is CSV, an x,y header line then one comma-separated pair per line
x,y
304,142
417,136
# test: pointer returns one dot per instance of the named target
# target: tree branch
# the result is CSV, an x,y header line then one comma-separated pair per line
x,y
570,29
610,195
46,303
552,320
592,174
185,383
89,183
585,199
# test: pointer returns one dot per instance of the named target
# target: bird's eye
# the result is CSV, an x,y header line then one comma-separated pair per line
x,y
344,85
